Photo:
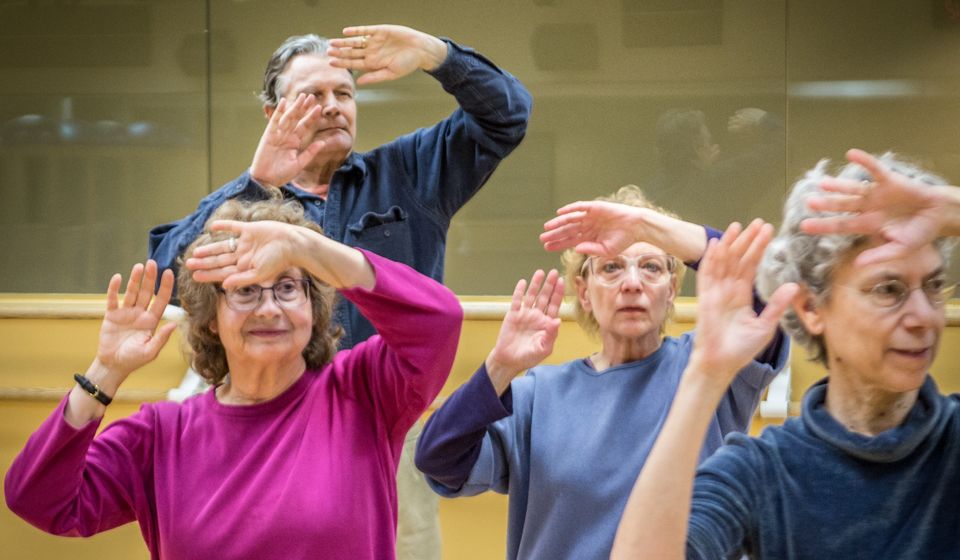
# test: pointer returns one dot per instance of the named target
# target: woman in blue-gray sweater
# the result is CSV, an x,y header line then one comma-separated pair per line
x,y
871,469
567,441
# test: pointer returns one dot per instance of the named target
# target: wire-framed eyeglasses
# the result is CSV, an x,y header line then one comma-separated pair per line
x,y
893,293
288,292
652,268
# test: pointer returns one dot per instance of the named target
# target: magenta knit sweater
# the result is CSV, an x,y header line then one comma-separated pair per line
x,y
309,474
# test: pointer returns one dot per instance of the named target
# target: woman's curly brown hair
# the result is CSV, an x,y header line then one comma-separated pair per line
x,y
199,299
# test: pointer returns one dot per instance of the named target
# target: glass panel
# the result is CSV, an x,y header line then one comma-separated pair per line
x,y
601,73
103,131
876,74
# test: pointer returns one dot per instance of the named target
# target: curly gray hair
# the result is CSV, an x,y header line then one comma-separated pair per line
x,y
809,260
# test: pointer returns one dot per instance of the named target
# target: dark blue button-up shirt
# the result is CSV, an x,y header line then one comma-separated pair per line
x,y
397,200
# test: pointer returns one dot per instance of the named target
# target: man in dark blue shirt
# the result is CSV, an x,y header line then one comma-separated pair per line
x,y
396,200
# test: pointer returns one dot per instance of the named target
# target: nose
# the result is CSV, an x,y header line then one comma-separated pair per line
x,y
631,279
330,104
918,312
268,304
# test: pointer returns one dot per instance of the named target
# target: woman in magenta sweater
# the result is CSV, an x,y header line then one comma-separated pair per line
x,y
293,453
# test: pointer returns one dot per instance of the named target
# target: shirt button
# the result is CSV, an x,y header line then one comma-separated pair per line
x,y
386,233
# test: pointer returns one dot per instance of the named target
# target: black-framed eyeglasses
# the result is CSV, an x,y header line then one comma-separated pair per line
x,y
288,292
892,293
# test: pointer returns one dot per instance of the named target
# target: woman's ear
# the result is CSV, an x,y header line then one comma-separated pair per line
x,y
213,326
581,285
809,312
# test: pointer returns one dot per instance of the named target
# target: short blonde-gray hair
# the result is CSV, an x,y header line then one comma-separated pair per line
x,y
572,261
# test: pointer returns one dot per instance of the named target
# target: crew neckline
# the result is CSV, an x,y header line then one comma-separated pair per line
x,y
281,401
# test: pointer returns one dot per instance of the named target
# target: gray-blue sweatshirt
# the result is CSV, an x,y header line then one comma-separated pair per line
x,y
567,443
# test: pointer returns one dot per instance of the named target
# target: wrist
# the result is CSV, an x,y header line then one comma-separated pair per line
x,y
434,53
262,180
707,377
107,378
500,373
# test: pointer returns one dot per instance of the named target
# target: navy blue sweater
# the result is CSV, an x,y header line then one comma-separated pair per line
x,y
811,489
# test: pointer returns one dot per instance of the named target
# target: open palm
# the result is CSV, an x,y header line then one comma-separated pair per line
x,y
531,325
128,335
285,147
729,332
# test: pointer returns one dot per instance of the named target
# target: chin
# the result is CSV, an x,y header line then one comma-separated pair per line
x,y
906,380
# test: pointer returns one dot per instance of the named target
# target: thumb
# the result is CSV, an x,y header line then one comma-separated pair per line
x,y
778,304
160,338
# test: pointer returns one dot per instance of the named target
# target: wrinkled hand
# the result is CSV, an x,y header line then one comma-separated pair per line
x,y
263,249
729,332
129,337
386,52
905,212
285,147
530,327
594,228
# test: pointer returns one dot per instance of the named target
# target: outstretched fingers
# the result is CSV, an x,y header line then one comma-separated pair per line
x,y
530,297
542,302
163,294
873,166
133,285
556,299
517,301
113,292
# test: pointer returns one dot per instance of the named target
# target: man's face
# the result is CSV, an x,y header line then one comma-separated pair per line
x,y
336,95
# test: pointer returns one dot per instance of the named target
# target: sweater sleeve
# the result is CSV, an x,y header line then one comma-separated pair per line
x,y
67,482
454,436
418,320
725,495
451,160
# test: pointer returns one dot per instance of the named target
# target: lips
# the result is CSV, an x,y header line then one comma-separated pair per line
x,y
266,332
919,354
632,309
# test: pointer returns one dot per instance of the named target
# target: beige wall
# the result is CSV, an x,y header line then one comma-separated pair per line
x,y
45,339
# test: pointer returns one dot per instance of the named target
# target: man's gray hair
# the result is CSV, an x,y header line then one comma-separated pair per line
x,y
809,260
273,85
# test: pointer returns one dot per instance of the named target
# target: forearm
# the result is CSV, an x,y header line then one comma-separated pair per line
x,y
684,240
654,523
451,441
332,262
494,98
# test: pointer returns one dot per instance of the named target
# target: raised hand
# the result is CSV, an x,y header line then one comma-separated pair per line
x,y
255,252
287,146
529,329
386,52
729,332
905,212
129,337
594,228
